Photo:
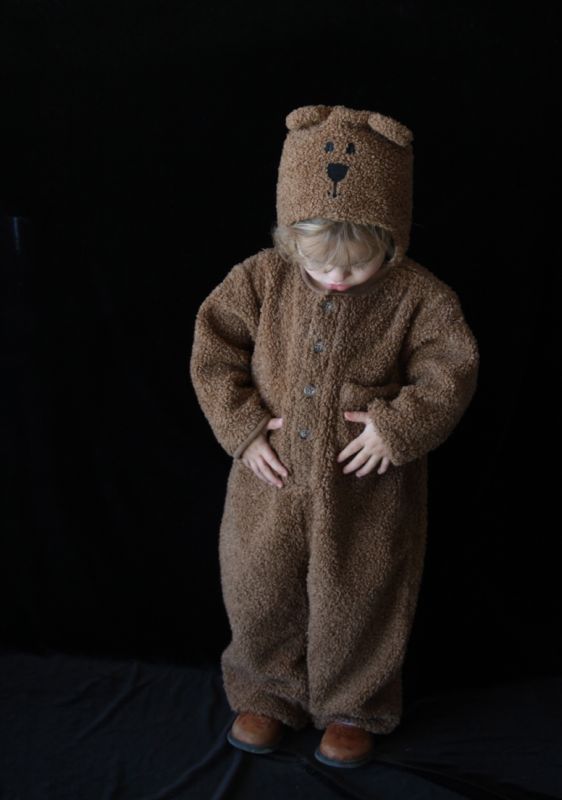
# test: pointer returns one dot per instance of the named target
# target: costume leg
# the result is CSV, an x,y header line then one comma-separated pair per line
x,y
263,560
366,564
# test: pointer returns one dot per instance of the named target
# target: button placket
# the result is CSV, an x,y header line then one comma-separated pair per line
x,y
319,345
308,391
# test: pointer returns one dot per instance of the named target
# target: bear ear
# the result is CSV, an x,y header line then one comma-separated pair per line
x,y
390,128
305,116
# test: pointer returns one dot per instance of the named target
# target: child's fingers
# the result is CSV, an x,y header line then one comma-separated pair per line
x,y
384,465
278,466
353,447
265,469
367,467
356,462
271,457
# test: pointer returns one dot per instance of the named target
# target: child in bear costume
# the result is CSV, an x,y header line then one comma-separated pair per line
x,y
320,571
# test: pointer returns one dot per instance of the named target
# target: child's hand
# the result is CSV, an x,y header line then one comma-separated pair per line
x,y
369,447
259,456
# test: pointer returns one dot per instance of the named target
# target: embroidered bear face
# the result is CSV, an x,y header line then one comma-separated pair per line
x,y
346,164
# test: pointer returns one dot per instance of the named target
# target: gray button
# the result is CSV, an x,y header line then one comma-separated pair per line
x,y
304,433
318,346
328,305
309,389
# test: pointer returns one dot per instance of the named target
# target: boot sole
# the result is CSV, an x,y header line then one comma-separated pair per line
x,y
332,762
253,748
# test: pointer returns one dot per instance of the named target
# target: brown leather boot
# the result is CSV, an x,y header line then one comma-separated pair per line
x,y
255,733
345,745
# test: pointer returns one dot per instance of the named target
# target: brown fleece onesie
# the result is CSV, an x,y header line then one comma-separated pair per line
x,y
320,578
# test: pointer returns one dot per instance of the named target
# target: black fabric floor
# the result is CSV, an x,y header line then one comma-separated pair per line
x,y
75,728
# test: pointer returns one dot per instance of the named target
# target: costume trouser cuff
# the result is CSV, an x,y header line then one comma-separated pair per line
x,y
379,725
291,715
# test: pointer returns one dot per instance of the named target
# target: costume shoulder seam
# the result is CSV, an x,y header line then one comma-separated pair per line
x,y
259,269
428,283
263,259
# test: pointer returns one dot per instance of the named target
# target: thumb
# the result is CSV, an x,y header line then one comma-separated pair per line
x,y
357,416
274,422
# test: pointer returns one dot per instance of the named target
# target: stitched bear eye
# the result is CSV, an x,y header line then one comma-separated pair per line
x,y
350,148
329,147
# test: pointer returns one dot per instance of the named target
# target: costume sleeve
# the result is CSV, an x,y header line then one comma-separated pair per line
x,y
220,362
441,361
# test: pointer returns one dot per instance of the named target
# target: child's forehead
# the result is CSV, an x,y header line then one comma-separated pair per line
x,y
350,250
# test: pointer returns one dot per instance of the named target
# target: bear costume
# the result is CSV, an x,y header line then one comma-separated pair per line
x,y
320,578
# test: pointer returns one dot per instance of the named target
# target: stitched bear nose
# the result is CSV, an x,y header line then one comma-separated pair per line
x,y
336,172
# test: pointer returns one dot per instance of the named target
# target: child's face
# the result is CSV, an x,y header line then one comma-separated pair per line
x,y
339,277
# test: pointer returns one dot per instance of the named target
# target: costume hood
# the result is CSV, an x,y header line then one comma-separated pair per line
x,y
348,165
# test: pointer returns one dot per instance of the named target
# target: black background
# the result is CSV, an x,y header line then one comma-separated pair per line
x,y
139,151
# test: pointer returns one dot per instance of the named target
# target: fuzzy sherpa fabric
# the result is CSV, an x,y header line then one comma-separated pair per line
x,y
320,578
346,164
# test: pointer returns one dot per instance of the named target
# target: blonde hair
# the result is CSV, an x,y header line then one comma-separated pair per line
x,y
332,238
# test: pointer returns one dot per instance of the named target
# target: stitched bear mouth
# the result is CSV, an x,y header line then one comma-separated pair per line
x,y
336,173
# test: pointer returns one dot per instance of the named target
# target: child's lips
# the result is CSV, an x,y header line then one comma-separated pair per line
x,y
339,287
